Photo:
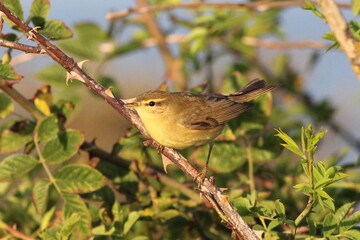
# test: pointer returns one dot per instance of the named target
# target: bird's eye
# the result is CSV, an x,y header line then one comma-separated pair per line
x,y
151,103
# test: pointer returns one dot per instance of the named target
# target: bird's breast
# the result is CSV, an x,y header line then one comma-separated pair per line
x,y
169,133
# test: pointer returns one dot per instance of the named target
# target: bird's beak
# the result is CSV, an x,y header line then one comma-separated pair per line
x,y
130,102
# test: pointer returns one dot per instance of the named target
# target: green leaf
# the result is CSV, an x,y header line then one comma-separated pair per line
x,y
126,179
16,165
86,45
312,226
350,221
81,49
90,32
343,210
76,178
169,214
46,219
330,224
120,212
280,208
242,205
40,8
6,106
15,7
273,224
331,37
16,136
303,188
323,194
70,224
125,48
132,219
234,154
352,234
197,37
355,29
141,238
8,73
74,204
56,30
51,234
290,143
327,203
355,7
48,128
40,195
53,75
63,147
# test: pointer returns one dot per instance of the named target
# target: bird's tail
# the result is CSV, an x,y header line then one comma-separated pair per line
x,y
250,91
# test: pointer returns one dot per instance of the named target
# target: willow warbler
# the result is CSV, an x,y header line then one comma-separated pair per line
x,y
181,119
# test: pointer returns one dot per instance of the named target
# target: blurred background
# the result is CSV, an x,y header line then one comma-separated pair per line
x,y
328,78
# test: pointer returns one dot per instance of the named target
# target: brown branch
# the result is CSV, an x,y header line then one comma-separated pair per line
x,y
14,232
254,42
258,5
173,65
209,190
276,45
21,47
342,33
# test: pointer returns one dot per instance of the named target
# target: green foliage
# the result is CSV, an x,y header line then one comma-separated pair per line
x,y
6,106
55,185
355,7
87,41
8,73
16,165
355,29
40,8
63,146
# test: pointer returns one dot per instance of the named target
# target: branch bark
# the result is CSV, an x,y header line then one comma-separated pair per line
x,y
208,189
258,5
21,47
341,30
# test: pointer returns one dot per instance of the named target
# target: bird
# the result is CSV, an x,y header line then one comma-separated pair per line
x,y
181,120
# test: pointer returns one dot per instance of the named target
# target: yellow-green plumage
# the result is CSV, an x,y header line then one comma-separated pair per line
x,y
180,120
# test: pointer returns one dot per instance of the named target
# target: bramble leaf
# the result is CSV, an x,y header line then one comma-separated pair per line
x,y
6,106
16,165
8,73
63,147
40,8
40,195
77,178
74,204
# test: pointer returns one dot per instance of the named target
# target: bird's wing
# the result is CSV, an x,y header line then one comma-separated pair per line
x,y
214,111
250,91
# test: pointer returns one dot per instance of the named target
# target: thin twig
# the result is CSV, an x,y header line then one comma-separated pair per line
x,y
44,164
21,47
276,45
10,91
14,232
237,224
258,5
342,33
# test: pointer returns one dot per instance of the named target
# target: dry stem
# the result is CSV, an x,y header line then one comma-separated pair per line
x,y
341,30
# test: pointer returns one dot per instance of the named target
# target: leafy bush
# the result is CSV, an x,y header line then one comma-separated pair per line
x,y
265,159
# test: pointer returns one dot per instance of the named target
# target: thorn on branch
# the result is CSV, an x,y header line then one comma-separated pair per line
x,y
75,76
